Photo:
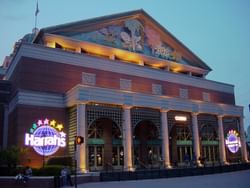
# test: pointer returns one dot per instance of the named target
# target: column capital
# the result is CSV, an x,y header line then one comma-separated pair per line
x,y
82,103
164,110
127,107
220,115
195,113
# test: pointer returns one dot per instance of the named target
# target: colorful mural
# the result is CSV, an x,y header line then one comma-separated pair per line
x,y
133,36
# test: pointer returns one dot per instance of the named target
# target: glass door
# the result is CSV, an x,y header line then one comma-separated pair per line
x,y
95,157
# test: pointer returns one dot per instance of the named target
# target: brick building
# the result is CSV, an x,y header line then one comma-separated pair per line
x,y
138,96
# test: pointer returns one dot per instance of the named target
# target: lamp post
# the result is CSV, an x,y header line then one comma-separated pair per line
x,y
78,141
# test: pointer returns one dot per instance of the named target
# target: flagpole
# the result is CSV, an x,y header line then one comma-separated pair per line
x,y
36,13
35,20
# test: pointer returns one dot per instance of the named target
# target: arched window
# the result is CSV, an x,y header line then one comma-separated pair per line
x,y
208,132
183,133
95,130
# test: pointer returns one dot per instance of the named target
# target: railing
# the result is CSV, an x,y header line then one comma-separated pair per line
x,y
108,167
168,173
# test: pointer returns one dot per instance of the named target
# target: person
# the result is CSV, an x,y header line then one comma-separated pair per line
x,y
194,160
64,176
186,159
27,174
19,176
68,176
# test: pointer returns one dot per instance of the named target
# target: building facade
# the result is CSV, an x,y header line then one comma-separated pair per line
x,y
136,94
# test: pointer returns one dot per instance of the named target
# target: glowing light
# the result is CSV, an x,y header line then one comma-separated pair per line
x,y
233,141
59,127
53,123
180,118
46,138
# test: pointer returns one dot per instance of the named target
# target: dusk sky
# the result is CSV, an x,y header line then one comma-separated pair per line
x,y
217,31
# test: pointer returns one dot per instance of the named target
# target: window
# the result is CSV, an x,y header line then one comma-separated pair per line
x,y
125,84
88,79
183,93
156,89
206,97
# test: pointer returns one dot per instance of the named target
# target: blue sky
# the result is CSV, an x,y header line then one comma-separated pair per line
x,y
215,30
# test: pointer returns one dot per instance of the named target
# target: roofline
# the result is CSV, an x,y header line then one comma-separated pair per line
x,y
91,21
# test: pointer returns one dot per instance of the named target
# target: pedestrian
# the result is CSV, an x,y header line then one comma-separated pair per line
x,y
27,174
19,176
68,174
186,159
64,176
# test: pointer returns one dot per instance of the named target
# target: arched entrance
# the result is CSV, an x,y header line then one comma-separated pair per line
x,y
181,144
105,150
209,143
147,145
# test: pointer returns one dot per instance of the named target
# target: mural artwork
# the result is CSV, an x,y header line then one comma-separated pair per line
x,y
133,36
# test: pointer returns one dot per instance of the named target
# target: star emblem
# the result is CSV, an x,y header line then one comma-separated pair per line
x,y
46,122
53,123
59,127
40,122
62,134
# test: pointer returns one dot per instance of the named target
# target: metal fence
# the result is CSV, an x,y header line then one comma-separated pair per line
x,y
169,173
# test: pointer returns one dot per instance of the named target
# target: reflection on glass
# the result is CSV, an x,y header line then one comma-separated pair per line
x,y
99,157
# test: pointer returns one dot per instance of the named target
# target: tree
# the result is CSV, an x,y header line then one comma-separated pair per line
x,y
12,156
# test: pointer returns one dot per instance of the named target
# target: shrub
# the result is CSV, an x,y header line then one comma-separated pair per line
x,y
49,170
62,160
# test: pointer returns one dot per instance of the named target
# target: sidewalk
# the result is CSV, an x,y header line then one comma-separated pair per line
x,y
239,179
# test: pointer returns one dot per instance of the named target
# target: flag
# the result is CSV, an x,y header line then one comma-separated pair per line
x,y
37,9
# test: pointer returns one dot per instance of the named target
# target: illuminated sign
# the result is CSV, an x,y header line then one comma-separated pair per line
x,y
233,141
180,118
46,137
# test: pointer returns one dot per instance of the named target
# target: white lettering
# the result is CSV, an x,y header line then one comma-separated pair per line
x,y
31,140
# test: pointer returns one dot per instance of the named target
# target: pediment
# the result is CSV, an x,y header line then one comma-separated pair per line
x,y
133,31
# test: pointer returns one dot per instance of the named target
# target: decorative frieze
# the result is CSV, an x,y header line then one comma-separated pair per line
x,y
206,97
125,84
156,89
88,78
183,93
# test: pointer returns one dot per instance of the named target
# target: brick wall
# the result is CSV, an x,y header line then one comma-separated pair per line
x,y
32,74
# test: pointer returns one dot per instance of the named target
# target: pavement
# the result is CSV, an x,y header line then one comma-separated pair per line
x,y
239,179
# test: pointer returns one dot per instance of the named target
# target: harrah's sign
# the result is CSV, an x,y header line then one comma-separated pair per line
x,y
31,140
46,137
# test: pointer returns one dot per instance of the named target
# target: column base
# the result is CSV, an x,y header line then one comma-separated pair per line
x,y
167,166
82,171
130,169
224,163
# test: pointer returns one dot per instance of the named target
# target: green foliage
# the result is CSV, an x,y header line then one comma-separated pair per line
x,y
51,170
12,156
62,160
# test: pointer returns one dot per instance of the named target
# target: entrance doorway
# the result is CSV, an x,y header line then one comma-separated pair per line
x,y
210,144
181,145
105,150
147,146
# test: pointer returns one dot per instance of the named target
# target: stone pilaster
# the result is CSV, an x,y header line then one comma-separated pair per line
x,y
127,138
81,154
165,139
196,138
243,141
221,140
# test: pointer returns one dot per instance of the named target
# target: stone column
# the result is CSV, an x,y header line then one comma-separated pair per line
x,y
165,138
243,141
5,126
81,154
196,138
221,140
127,138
